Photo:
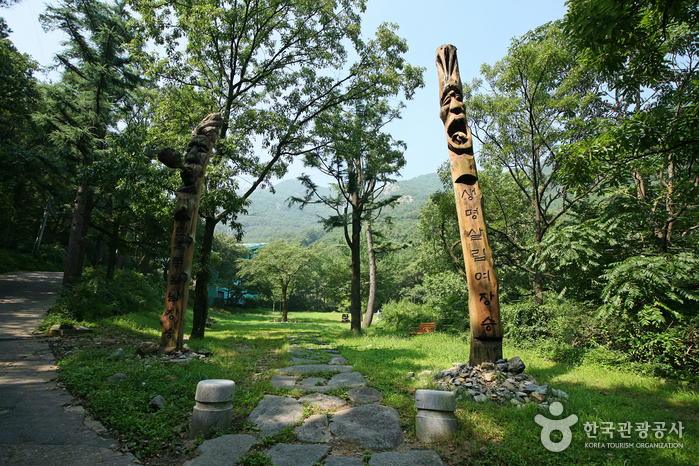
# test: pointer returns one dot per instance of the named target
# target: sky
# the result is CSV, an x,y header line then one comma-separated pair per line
x,y
480,30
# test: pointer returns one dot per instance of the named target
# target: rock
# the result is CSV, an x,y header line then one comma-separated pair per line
x,y
537,397
343,461
297,360
158,402
529,387
300,370
297,455
351,379
410,458
372,426
490,376
563,395
283,381
410,374
311,382
315,429
487,366
323,401
116,355
147,348
227,449
510,386
515,365
94,425
364,395
544,390
338,361
480,398
274,413
117,377
503,367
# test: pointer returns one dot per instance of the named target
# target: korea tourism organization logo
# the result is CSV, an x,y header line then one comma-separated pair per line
x,y
607,434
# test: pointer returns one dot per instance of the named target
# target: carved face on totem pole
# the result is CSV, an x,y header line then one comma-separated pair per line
x,y
451,102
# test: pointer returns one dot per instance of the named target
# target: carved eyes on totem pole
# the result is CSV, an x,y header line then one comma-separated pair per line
x,y
192,167
451,98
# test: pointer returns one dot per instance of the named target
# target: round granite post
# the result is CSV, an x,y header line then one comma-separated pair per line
x,y
213,409
435,419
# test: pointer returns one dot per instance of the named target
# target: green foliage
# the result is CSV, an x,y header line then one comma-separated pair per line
x,y
650,308
93,298
404,314
49,258
255,458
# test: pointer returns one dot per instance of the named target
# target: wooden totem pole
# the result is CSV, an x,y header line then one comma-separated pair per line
x,y
483,306
192,169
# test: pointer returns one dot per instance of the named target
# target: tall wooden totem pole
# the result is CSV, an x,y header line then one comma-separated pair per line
x,y
483,306
192,169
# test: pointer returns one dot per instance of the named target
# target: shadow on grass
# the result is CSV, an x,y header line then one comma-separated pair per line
x,y
599,396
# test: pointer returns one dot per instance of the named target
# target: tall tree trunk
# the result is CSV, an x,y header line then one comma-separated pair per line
x,y
201,293
112,257
72,272
355,283
285,304
372,277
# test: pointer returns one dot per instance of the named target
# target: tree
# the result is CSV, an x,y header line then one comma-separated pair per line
x,y
272,66
363,161
81,108
536,101
22,194
225,263
282,267
646,52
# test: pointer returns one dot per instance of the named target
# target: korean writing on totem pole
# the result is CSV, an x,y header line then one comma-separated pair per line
x,y
177,278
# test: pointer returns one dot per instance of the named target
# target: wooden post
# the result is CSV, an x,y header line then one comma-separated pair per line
x,y
483,305
179,275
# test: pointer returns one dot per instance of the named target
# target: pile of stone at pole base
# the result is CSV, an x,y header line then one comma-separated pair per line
x,y
502,382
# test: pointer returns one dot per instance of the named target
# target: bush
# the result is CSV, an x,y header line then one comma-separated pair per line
x,y
93,298
50,258
404,314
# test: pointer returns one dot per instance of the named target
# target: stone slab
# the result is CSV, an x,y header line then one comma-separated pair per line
x,y
410,458
297,455
274,413
372,426
343,461
338,361
227,449
312,382
323,401
315,429
283,381
364,395
347,379
306,369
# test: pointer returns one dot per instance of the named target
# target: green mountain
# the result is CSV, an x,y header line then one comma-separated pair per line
x,y
270,217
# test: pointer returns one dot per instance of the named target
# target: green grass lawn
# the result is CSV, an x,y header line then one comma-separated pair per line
x,y
248,347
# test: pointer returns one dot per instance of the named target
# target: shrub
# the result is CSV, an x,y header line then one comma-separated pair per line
x,y
93,298
404,314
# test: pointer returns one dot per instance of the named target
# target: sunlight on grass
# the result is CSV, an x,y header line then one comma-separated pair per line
x,y
248,347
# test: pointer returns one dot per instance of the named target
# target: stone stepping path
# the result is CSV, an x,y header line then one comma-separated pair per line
x,y
363,421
